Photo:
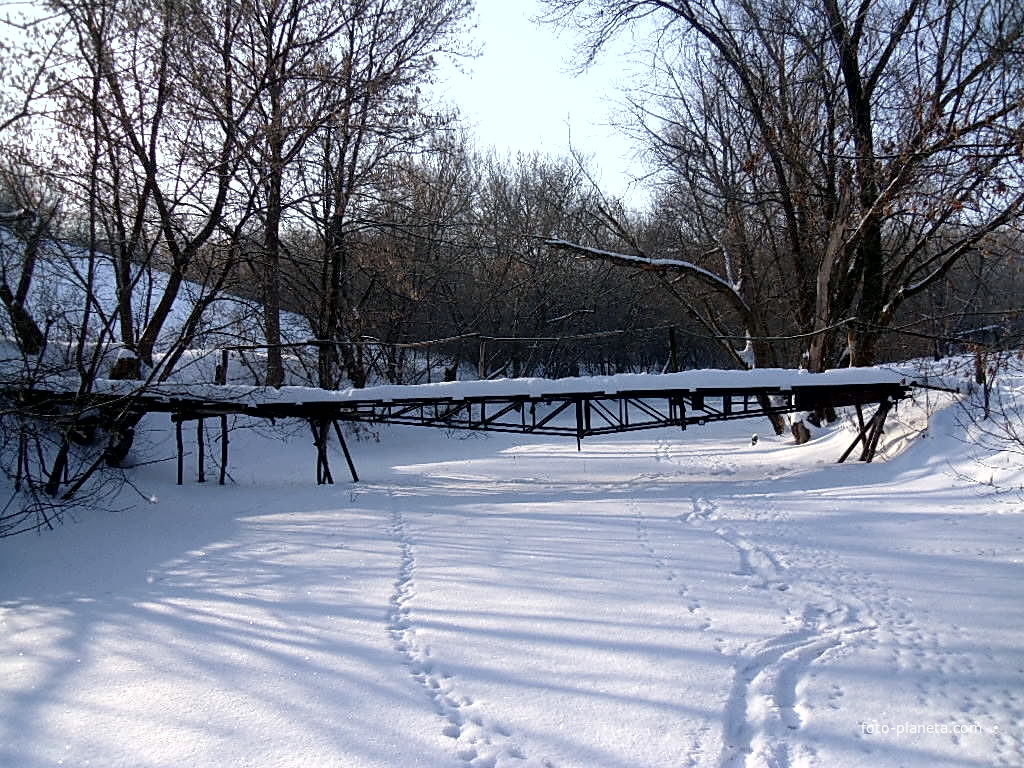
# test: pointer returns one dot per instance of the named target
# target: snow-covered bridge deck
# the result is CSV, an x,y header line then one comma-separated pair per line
x,y
572,407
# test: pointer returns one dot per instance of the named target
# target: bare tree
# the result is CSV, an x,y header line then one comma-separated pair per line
x,y
29,41
874,144
288,65
28,204
29,221
387,50
141,102
149,105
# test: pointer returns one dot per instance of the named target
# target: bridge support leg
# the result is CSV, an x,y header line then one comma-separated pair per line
x,y
201,450
320,429
181,451
861,434
579,425
344,448
870,433
323,466
223,447
871,446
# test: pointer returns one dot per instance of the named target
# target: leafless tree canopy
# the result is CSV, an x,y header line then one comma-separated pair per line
x,y
836,160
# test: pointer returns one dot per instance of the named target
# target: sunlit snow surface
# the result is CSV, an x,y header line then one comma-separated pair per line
x,y
668,599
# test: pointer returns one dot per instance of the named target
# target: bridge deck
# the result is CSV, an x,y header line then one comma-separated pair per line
x,y
572,407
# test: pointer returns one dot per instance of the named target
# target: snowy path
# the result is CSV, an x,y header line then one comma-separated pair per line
x,y
511,603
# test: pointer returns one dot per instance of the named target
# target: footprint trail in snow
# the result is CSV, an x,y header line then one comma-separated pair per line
x,y
479,743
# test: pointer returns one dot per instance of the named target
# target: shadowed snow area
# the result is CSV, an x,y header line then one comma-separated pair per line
x,y
658,599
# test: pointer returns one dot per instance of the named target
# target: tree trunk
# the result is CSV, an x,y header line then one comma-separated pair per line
x,y
272,245
26,330
272,291
334,295
801,433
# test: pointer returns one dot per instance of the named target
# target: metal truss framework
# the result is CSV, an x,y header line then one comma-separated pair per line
x,y
570,414
588,414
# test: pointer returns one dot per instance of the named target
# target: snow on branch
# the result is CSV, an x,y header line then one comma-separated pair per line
x,y
22,214
662,265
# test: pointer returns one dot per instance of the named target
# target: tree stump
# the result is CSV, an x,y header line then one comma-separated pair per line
x,y
800,432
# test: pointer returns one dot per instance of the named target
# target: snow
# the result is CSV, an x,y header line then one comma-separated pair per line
x,y
61,282
666,599
705,379
623,382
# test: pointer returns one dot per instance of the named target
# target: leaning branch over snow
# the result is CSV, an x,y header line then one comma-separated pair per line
x,y
709,279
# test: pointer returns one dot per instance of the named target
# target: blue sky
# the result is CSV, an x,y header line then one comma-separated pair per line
x,y
523,94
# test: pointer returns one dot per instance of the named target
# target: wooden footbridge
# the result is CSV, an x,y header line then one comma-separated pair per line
x,y
573,407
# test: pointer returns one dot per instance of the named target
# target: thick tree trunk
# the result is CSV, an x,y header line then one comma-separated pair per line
x,y
334,293
869,256
272,246
126,317
147,342
801,433
272,292
26,330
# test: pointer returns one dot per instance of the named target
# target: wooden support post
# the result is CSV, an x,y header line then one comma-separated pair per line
x,y
858,439
323,467
319,460
328,477
869,433
482,366
861,434
201,450
223,447
868,453
344,448
871,447
678,411
181,450
316,444
579,425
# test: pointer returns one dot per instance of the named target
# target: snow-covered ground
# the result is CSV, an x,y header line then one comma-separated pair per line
x,y
659,599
